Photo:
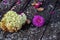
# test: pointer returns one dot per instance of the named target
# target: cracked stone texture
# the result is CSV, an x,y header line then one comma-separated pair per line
x,y
50,31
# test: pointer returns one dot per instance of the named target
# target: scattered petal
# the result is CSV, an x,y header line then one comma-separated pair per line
x,y
40,9
37,5
28,21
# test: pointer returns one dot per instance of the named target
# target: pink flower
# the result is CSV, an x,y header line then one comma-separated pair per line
x,y
38,21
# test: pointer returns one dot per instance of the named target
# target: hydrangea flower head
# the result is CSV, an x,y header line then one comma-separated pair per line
x,y
12,21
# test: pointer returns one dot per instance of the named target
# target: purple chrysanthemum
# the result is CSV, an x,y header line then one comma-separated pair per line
x,y
38,21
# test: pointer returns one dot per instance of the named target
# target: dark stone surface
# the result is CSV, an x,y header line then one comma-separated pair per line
x,y
50,31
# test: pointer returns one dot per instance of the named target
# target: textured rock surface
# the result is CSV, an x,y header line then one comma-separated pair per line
x,y
50,31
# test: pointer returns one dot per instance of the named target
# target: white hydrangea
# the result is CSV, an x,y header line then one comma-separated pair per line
x,y
13,21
